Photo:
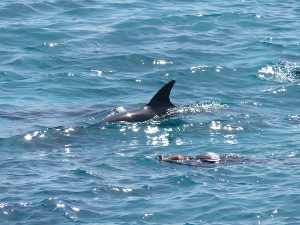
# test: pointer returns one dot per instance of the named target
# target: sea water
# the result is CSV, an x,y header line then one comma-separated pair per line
x,y
65,65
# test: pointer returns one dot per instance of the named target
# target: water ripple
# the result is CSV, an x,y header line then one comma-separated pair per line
x,y
65,65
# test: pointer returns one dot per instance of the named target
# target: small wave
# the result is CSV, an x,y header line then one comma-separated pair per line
x,y
71,209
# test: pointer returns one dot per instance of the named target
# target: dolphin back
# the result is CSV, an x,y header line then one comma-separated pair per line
x,y
158,105
162,97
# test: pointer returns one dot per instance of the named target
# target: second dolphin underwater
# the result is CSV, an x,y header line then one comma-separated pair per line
x,y
157,106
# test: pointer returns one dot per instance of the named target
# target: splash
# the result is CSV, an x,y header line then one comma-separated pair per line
x,y
212,106
282,72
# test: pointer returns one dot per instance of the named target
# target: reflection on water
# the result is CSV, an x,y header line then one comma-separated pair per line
x,y
196,119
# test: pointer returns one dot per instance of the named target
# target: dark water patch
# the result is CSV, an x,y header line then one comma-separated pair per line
x,y
22,9
29,63
44,7
65,4
7,13
27,36
83,12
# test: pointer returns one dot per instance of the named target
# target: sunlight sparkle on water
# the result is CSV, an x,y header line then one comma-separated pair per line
x,y
76,209
161,62
28,137
151,130
147,214
280,90
51,44
97,73
218,68
230,139
60,205
126,189
201,67
158,140
197,14
216,125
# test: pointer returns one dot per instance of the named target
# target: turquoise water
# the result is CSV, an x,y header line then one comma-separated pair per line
x,y
65,65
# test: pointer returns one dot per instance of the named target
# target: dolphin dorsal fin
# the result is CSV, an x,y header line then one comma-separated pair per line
x,y
162,97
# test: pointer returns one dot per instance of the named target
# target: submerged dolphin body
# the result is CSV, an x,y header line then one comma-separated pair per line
x,y
212,159
209,159
205,157
157,106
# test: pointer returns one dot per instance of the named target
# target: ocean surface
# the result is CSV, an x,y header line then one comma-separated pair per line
x,y
67,64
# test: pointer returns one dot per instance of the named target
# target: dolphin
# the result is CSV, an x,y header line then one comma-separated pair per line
x,y
212,159
205,157
158,106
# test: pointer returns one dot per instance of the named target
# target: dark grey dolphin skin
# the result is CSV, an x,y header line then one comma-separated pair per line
x,y
157,106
